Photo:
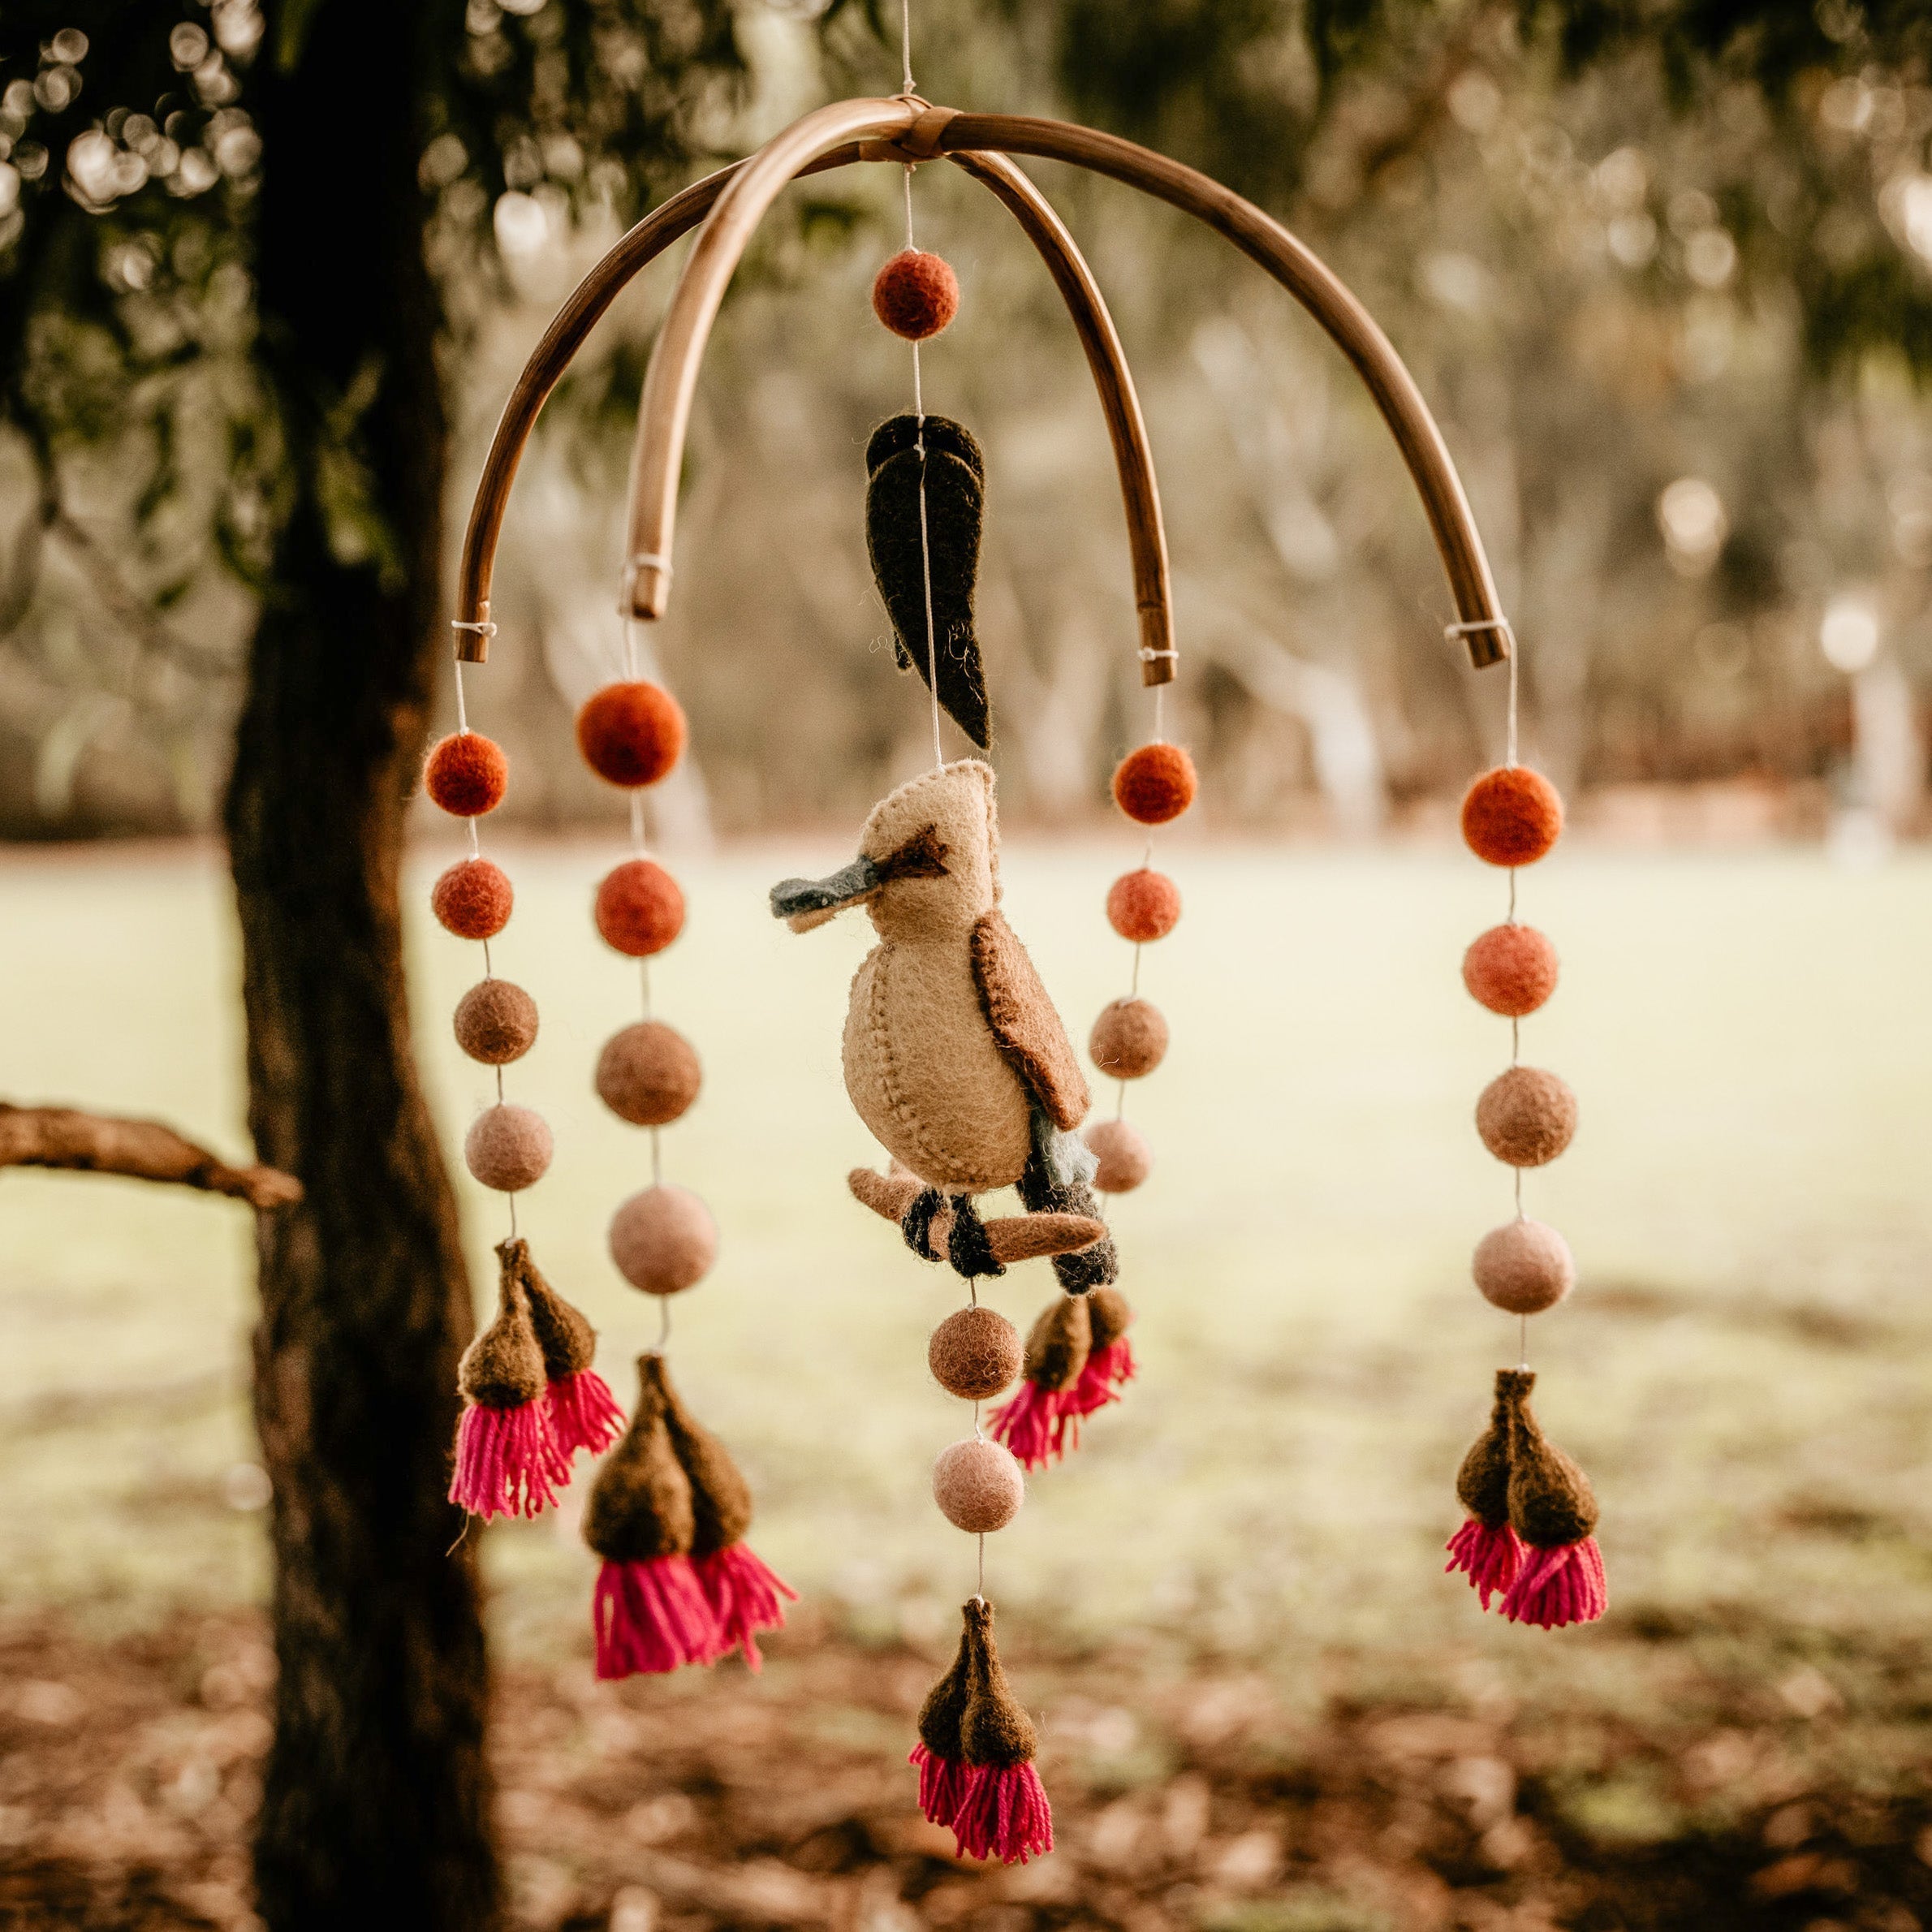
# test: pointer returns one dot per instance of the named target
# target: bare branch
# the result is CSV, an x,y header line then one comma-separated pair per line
x,y
144,1149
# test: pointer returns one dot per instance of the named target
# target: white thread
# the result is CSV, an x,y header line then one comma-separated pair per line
x,y
657,1159
476,843
925,538
462,715
663,1322
644,985
630,647
1510,734
905,43
1160,711
637,845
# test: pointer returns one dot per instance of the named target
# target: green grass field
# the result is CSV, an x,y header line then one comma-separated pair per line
x,y
1743,1369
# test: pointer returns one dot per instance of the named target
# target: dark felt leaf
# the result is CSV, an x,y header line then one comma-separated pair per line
x,y
954,477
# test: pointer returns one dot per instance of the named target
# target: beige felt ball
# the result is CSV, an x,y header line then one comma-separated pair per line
x,y
1524,1267
975,1354
1526,1116
663,1239
648,1074
1129,1039
977,1486
496,1022
508,1148
1125,1158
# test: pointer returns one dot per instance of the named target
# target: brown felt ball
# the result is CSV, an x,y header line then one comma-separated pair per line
x,y
496,1022
1526,1116
1511,816
663,1240
639,907
1511,969
630,733
508,1148
1143,905
1129,1039
915,294
1154,784
1524,1267
1126,1160
466,774
473,900
977,1486
975,1354
648,1074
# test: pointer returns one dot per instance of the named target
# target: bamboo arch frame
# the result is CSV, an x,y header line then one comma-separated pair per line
x,y
731,203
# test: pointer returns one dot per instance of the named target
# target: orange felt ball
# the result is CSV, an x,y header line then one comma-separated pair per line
x,y
1143,905
473,900
1511,816
630,733
1155,783
915,294
466,774
1511,969
639,907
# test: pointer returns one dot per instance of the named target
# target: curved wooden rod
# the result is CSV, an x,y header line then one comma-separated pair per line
x,y
1313,284
634,250
671,378
1133,455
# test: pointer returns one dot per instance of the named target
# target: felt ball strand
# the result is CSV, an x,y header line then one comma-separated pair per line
x,y
975,1743
532,1399
677,1583
1528,1540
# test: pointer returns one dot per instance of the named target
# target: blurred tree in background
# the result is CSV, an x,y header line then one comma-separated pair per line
x,y
266,273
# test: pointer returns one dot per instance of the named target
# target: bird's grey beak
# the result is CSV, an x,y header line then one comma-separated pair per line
x,y
803,903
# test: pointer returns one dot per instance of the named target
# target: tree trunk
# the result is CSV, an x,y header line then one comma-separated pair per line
x,y
376,1806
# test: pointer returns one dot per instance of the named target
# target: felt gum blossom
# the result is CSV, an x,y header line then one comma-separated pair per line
x,y
507,1456
975,1754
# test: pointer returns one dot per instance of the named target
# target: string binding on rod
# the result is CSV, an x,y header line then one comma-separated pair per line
x,y
1482,654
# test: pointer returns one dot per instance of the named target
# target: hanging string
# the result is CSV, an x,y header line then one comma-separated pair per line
x,y
905,43
925,539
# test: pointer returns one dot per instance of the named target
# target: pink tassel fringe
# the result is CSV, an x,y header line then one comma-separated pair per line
x,y
1003,1814
583,1414
651,1618
1108,1371
506,1461
1036,1425
1491,1557
1559,1586
745,1596
942,1785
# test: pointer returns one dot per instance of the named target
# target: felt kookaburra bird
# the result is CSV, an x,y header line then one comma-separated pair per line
x,y
954,1055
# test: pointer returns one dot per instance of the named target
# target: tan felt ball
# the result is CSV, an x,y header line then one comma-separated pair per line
x,y
1129,1039
977,1486
663,1240
1524,1267
975,1354
648,1074
496,1022
1125,1158
508,1148
1511,969
1526,1117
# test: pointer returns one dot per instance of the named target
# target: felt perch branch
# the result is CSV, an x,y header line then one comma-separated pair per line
x,y
1011,1238
142,1149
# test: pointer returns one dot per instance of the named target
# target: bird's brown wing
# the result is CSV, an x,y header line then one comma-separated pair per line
x,y
1025,1023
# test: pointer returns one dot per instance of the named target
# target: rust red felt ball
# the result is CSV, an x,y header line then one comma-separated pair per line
x,y
915,294
639,907
1143,905
1511,969
1511,816
466,774
473,900
1155,783
630,733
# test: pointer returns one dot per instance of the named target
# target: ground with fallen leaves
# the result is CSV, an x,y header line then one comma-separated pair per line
x,y
1206,1797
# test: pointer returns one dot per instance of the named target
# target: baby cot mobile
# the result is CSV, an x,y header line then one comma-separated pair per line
x,y
954,1054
